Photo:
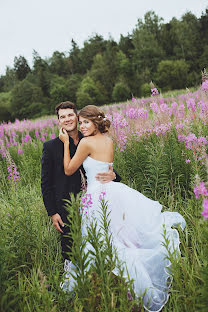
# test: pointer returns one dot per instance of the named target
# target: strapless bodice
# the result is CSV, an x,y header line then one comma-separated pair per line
x,y
92,167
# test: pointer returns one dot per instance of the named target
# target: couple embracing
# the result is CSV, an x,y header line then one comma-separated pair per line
x,y
136,222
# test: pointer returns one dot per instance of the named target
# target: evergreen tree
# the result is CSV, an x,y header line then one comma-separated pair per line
x,y
21,67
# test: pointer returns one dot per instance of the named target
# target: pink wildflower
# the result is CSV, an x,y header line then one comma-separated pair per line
x,y
202,141
102,195
13,173
205,210
37,134
205,85
154,91
163,108
200,190
154,107
86,202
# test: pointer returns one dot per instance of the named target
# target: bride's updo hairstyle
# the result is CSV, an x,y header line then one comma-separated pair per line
x,y
97,116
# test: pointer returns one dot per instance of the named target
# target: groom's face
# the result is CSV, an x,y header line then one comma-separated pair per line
x,y
67,119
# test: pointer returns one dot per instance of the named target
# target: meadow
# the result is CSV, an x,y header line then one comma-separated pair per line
x,y
161,150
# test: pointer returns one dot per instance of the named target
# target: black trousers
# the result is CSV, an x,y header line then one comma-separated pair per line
x,y
66,240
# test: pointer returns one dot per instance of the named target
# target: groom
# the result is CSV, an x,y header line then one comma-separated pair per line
x,y
55,185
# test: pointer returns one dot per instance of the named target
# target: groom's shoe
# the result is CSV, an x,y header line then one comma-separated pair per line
x,y
69,282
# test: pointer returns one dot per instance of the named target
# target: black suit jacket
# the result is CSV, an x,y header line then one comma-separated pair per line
x,y
55,185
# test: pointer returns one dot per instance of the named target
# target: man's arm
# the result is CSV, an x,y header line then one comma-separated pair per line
x,y
117,178
111,175
47,181
47,188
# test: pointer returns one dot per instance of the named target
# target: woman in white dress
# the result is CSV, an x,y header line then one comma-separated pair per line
x,y
137,223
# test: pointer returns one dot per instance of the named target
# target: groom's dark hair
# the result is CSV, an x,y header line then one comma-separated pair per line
x,y
64,105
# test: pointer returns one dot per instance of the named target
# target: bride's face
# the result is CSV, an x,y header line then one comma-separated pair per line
x,y
87,127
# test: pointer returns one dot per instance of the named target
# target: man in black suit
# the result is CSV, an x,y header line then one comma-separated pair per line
x,y
57,186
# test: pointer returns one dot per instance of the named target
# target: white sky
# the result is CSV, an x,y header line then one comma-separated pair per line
x,y
49,25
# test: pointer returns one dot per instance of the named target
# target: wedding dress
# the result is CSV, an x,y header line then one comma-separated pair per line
x,y
137,226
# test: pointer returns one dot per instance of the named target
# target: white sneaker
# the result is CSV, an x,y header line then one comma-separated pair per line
x,y
69,281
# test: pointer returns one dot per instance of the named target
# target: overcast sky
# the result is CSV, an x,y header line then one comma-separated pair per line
x,y
49,25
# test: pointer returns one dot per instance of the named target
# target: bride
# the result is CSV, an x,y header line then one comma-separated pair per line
x,y
137,223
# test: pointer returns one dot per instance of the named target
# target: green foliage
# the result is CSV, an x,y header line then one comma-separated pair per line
x,y
59,91
172,74
5,110
147,50
121,92
21,67
93,46
89,92
23,97
58,64
75,60
73,84
145,90
100,74
9,80
41,71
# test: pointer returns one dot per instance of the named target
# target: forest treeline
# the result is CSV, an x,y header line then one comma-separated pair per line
x,y
172,55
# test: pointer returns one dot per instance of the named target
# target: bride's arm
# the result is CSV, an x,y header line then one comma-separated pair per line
x,y
72,164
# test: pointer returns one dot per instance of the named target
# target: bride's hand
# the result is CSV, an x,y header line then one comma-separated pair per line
x,y
63,135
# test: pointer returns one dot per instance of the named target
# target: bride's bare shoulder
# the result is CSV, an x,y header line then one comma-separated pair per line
x,y
109,140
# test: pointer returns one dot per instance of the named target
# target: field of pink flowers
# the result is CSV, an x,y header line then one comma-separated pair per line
x,y
161,150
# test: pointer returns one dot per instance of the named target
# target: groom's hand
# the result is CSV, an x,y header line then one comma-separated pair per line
x,y
57,222
105,177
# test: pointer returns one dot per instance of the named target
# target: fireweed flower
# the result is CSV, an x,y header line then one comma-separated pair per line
x,y
174,107
86,203
181,111
191,105
20,151
102,195
13,173
154,91
122,139
142,113
200,190
154,107
202,141
131,113
37,134
205,208
2,149
27,138
164,108
204,86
